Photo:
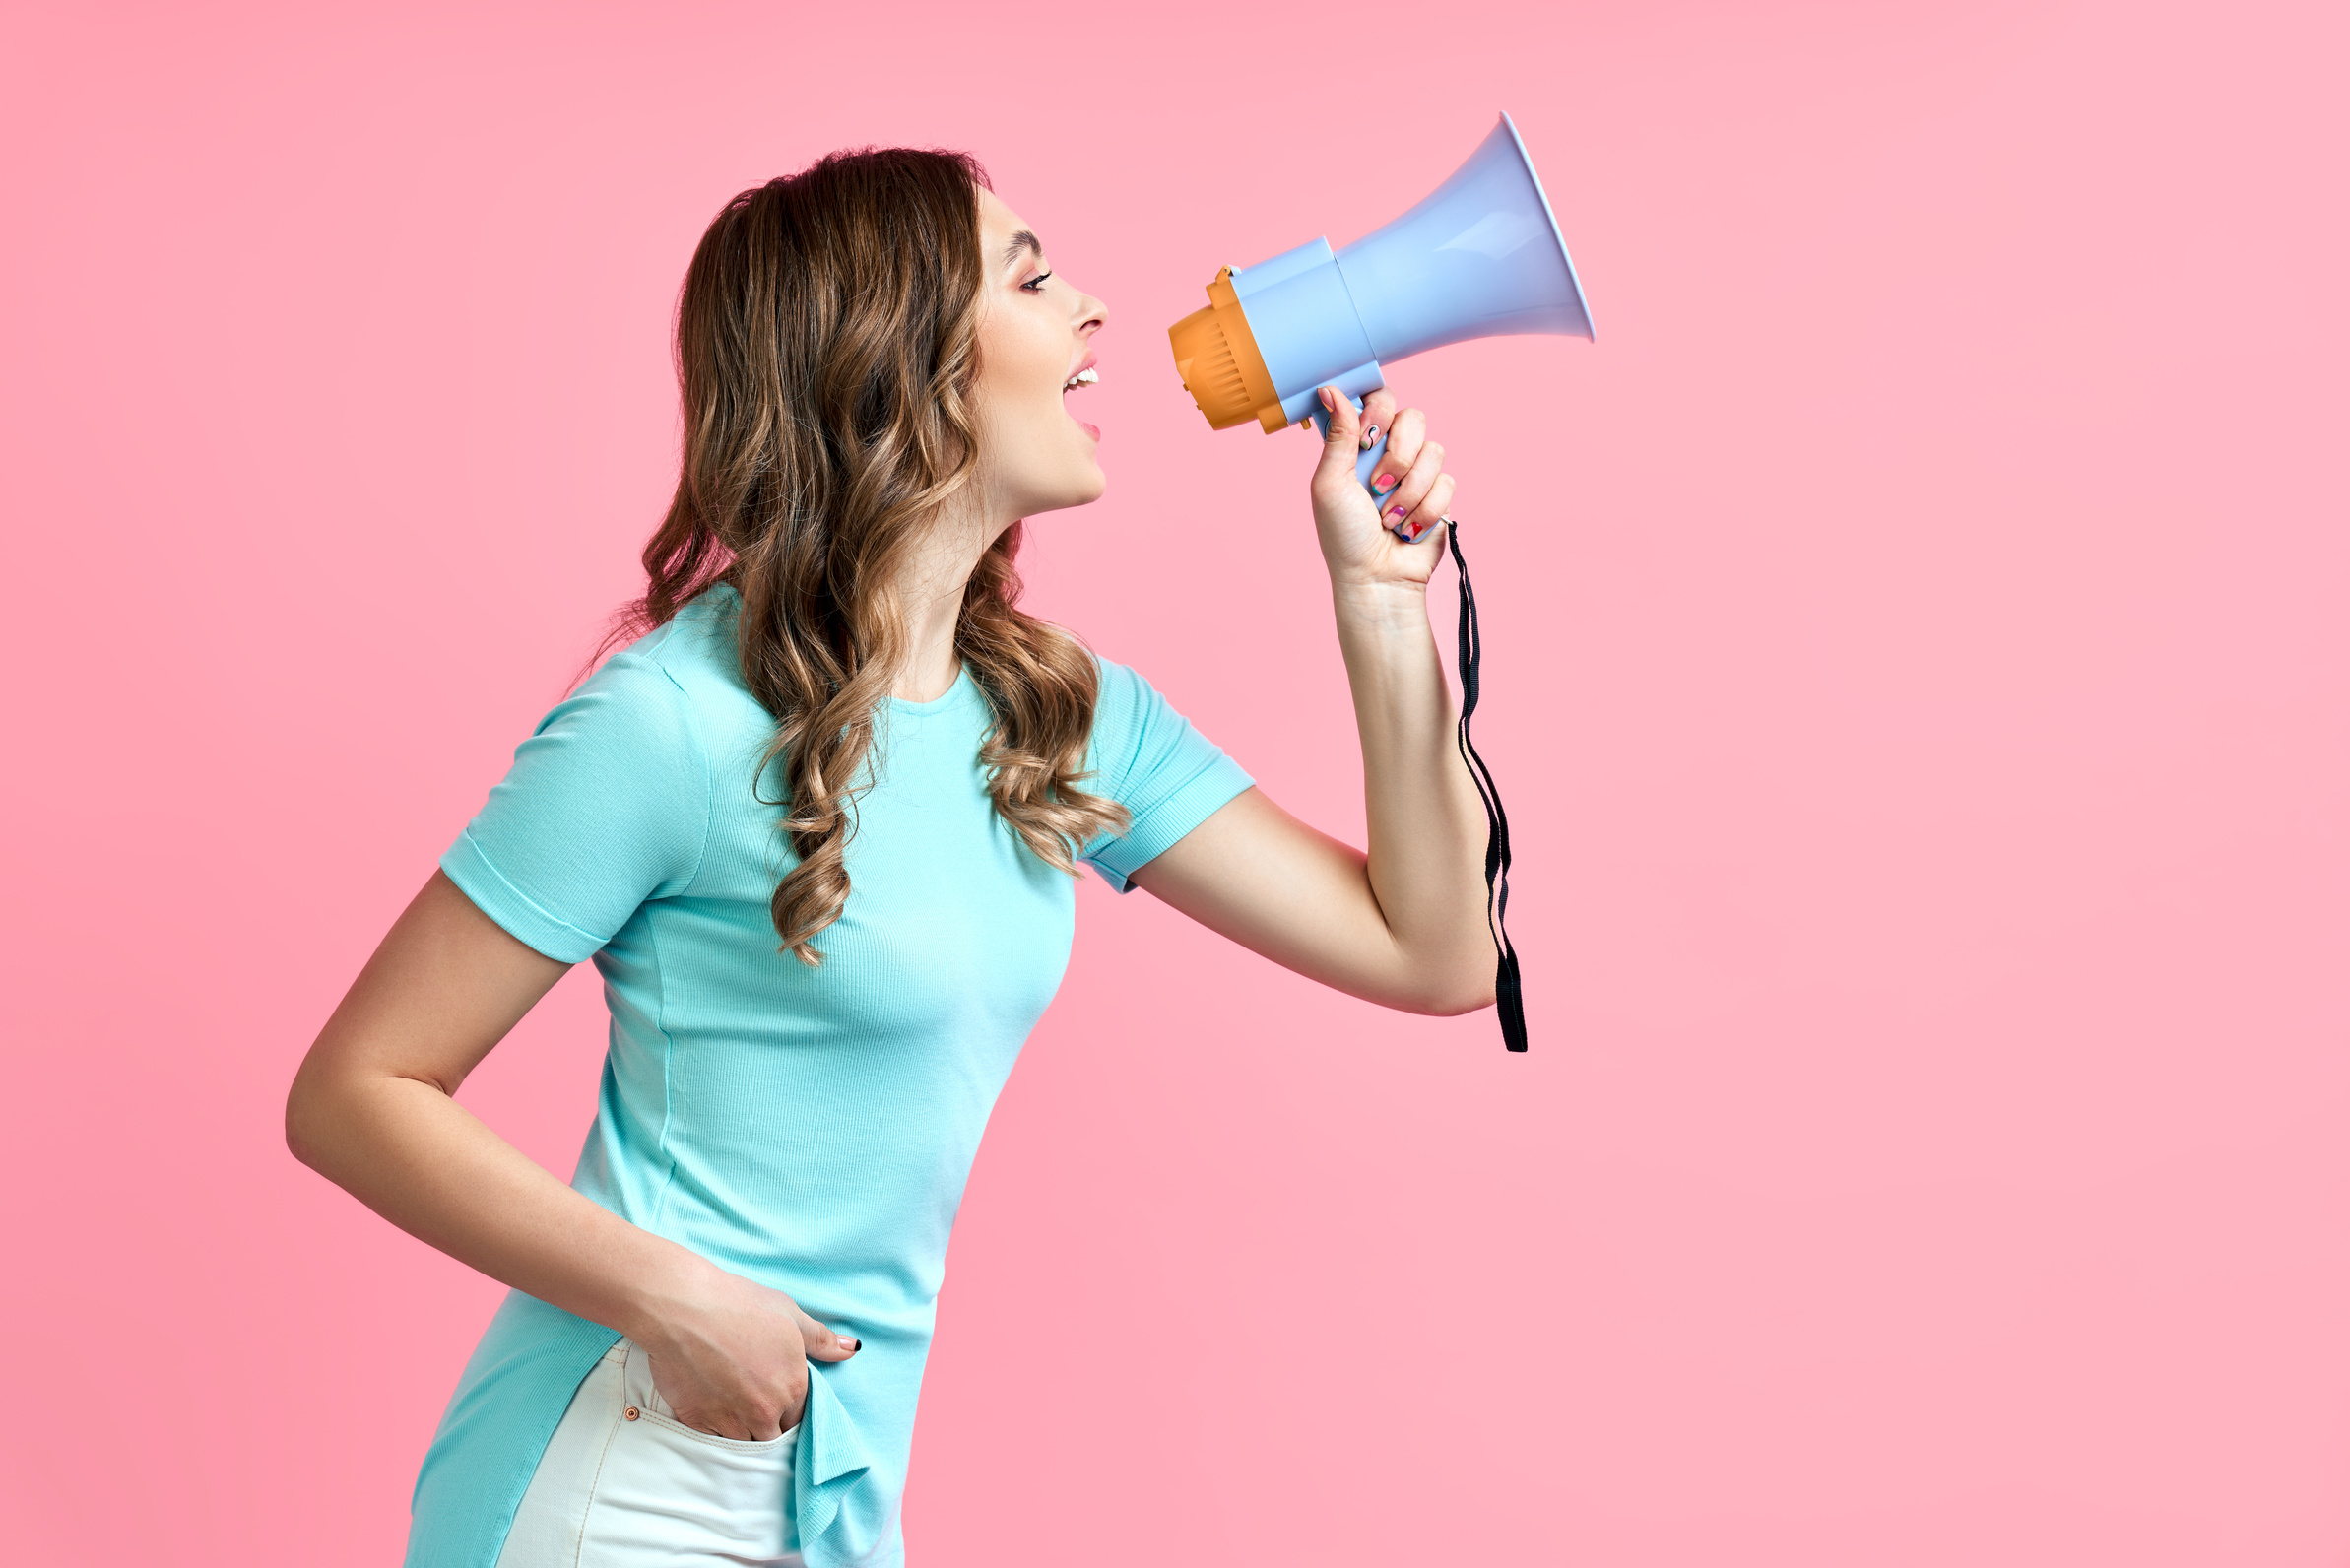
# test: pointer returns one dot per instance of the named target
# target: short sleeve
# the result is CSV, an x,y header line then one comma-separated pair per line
x,y
1148,758
608,804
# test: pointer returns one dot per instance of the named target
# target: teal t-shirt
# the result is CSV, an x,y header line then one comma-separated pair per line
x,y
810,1129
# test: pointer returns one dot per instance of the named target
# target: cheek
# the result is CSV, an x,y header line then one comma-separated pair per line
x,y
1023,359
1031,359
1044,374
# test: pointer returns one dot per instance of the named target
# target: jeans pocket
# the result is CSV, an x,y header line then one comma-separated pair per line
x,y
667,1494
636,1378
779,1444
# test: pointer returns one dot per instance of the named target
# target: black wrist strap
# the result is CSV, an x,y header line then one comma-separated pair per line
x,y
1509,999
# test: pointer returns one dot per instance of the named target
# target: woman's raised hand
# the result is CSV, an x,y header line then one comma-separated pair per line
x,y
734,1362
1354,528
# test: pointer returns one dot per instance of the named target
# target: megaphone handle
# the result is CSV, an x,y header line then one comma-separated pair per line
x,y
1364,466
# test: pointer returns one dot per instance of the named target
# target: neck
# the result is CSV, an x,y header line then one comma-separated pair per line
x,y
933,601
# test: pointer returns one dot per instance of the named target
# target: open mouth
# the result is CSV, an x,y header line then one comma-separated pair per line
x,y
1085,377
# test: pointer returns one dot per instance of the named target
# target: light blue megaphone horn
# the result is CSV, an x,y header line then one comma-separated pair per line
x,y
1479,257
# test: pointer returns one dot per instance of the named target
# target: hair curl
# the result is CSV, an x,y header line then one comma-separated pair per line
x,y
826,349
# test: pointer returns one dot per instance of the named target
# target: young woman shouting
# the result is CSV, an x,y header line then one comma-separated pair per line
x,y
816,827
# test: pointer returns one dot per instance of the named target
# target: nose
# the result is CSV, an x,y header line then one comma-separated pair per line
x,y
1091,315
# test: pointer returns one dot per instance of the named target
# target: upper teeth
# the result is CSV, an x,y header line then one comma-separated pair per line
x,y
1085,377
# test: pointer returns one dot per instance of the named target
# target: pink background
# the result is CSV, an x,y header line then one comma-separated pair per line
x,y
1919,674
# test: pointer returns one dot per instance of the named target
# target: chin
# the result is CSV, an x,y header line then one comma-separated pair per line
x,y
1081,489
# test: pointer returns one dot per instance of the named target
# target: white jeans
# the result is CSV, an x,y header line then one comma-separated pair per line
x,y
626,1485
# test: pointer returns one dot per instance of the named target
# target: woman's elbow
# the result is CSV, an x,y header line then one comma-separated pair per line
x,y
1472,999
317,1103
303,1113
1449,994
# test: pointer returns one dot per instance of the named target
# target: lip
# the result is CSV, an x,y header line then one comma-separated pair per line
x,y
1079,369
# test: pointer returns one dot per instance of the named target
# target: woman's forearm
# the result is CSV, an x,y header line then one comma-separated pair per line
x,y
409,1151
1427,826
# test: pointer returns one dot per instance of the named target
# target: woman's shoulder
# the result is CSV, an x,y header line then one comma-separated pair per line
x,y
685,667
1124,696
1130,714
1118,685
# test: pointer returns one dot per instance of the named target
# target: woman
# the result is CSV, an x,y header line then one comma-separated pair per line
x,y
817,827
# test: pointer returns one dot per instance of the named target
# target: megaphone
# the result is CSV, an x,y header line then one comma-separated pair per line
x,y
1479,257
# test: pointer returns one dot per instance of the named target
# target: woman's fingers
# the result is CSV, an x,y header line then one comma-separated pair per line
x,y
1377,412
1404,438
1409,495
1397,507
735,1364
823,1344
1436,507
730,1398
1340,448
1408,428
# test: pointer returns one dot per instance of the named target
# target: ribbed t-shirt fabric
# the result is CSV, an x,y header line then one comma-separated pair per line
x,y
810,1128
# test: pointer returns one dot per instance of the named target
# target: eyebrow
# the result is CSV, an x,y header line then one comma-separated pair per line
x,y
1023,240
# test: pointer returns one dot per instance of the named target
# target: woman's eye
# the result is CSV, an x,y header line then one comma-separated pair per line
x,y
1036,283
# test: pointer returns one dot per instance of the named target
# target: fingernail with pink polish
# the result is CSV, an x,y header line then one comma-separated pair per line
x,y
1383,482
1370,436
1397,513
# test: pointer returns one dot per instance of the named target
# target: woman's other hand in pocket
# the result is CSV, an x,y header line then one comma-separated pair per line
x,y
732,1360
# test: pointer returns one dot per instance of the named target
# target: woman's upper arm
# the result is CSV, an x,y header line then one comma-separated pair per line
x,y
442,988
1206,840
1283,889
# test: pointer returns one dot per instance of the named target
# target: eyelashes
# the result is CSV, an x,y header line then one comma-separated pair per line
x,y
1036,283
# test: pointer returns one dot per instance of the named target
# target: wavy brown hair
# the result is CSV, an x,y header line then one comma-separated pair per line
x,y
826,349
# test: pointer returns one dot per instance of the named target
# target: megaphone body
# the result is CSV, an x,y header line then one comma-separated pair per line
x,y
1480,257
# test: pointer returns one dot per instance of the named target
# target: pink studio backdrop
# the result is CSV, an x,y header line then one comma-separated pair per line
x,y
1918,672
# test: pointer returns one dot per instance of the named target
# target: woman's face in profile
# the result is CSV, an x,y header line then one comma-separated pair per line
x,y
1035,340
